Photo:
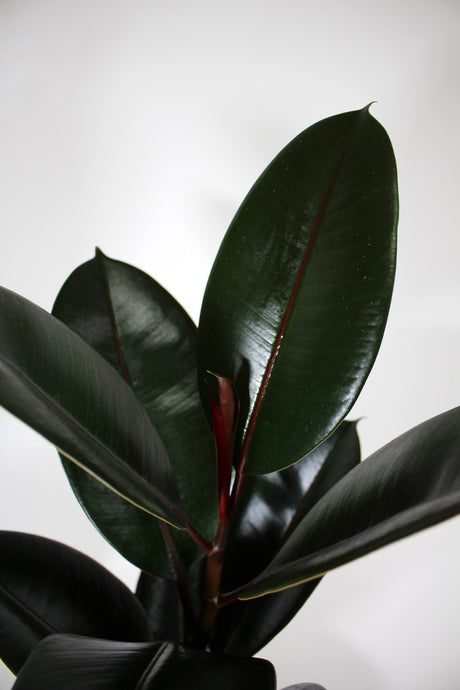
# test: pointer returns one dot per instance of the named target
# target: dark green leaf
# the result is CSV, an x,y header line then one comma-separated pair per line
x,y
46,587
173,607
73,663
137,535
52,380
244,627
20,631
77,663
297,300
147,336
163,604
178,668
411,483
270,507
337,455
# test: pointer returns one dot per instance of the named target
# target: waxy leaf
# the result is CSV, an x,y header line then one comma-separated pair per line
x,y
151,341
52,380
245,627
47,587
162,601
74,663
137,535
183,667
411,483
270,507
297,300
174,607
64,661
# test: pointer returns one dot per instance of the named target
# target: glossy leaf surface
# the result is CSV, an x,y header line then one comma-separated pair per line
x,y
148,337
298,296
173,606
63,661
181,667
411,483
52,380
137,535
74,663
245,627
46,587
270,507
162,601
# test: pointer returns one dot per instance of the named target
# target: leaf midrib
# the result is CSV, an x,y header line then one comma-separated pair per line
x,y
282,330
19,603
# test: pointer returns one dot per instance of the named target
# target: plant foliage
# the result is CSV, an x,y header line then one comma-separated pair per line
x,y
216,458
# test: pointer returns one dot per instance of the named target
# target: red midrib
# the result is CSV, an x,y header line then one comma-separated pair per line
x,y
287,315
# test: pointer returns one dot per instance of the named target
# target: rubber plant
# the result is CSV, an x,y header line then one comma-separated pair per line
x,y
215,458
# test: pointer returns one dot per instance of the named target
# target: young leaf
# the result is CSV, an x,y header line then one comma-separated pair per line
x,y
297,300
225,418
411,483
47,587
151,341
65,661
52,380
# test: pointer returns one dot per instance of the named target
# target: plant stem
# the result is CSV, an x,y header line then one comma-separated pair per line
x,y
213,577
180,578
198,538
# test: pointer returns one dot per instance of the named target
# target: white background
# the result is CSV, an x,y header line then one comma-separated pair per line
x,y
139,127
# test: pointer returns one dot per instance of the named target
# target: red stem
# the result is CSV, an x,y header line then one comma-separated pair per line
x,y
198,538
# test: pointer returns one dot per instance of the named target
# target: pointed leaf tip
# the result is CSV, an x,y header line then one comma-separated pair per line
x,y
297,300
